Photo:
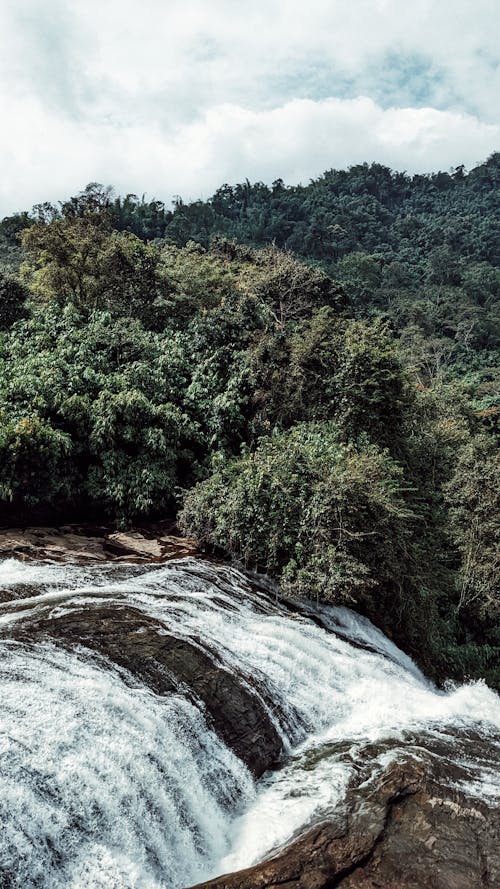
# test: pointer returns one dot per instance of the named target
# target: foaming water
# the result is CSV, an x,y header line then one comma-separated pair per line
x,y
119,787
103,782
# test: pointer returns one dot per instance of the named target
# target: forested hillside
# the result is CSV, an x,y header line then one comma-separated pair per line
x,y
309,374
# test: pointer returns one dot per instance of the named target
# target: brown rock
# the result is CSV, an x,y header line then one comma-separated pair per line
x,y
409,831
136,543
54,544
84,544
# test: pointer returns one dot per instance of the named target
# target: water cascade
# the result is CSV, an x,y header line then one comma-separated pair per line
x,y
105,782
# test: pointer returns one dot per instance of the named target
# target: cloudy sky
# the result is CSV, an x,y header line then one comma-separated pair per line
x,y
179,96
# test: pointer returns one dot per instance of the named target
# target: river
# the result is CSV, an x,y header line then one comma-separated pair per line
x,y
104,782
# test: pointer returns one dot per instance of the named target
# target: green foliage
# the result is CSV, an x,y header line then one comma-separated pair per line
x,y
197,280
473,498
63,259
79,261
334,521
331,421
108,390
422,250
288,289
328,517
13,297
135,445
11,254
361,275
35,460
329,367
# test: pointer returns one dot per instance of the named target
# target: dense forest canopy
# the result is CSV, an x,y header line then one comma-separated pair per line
x,y
423,251
308,373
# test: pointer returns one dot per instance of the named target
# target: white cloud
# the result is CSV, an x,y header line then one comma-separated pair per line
x,y
174,97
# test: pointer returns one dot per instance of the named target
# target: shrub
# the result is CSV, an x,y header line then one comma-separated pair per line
x,y
329,518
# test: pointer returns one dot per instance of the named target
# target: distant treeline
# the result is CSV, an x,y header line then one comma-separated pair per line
x,y
423,251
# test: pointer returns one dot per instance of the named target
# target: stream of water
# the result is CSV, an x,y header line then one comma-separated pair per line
x,y
104,783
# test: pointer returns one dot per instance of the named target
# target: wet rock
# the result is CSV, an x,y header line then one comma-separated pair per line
x,y
409,830
7,595
166,663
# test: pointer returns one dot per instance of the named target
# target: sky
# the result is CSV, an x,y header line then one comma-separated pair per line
x,y
170,98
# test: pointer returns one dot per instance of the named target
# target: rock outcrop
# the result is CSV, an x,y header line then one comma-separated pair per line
x,y
166,663
409,830
88,544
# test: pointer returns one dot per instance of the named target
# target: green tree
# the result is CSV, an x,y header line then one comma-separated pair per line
x,y
329,518
473,497
13,298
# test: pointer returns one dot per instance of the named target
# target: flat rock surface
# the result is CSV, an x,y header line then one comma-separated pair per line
x,y
87,544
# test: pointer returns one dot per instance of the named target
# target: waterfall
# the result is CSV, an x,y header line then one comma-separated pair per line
x,y
104,783
101,782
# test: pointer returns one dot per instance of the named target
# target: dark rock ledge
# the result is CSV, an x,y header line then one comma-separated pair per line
x,y
408,830
167,664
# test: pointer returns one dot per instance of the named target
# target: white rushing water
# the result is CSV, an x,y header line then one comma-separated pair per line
x,y
105,784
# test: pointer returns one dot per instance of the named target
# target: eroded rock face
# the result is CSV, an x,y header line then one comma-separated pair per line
x,y
144,647
409,830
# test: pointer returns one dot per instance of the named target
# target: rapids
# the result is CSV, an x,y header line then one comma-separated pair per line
x,y
104,783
